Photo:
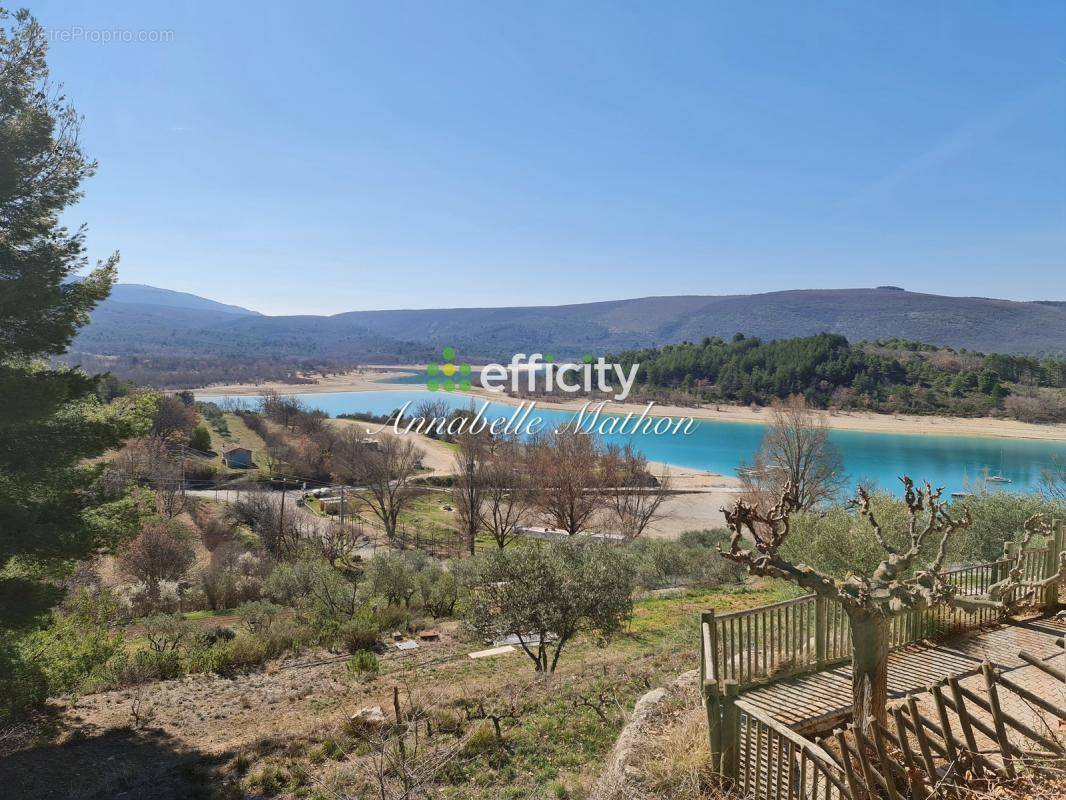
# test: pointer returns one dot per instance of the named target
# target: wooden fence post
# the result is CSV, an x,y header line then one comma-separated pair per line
x,y
713,706
730,742
1051,570
1008,554
708,647
821,630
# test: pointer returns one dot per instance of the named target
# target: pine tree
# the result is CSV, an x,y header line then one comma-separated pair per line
x,y
50,418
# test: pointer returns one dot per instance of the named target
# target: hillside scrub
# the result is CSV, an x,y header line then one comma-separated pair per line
x,y
834,541
691,561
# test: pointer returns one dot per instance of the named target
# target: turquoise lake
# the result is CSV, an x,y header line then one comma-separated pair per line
x,y
955,462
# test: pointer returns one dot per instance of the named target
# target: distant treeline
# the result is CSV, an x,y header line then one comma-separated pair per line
x,y
171,372
892,375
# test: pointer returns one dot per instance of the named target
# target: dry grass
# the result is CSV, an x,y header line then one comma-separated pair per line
x,y
677,764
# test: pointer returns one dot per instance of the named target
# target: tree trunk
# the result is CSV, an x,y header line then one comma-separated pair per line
x,y
869,666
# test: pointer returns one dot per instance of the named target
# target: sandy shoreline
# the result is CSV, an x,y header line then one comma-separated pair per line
x,y
841,420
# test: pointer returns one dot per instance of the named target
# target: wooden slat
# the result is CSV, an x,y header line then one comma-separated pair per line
x,y
997,718
964,723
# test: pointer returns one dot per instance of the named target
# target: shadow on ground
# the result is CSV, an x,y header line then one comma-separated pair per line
x,y
121,763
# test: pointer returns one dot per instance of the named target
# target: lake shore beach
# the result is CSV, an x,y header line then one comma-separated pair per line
x,y
375,380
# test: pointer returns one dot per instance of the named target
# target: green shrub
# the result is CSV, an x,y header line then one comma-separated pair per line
x,y
243,653
77,642
394,576
314,587
143,666
240,654
363,664
998,516
438,591
200,438
419,622
838,540
284,634
114,523
215,634
166,632
23,685
708,538
235,574
391,618
258,615
208,659
482,740
692,560
359,633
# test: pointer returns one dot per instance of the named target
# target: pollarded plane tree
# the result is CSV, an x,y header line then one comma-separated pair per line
x,y
898,585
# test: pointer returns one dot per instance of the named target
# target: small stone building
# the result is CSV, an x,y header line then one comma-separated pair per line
x,y
236,456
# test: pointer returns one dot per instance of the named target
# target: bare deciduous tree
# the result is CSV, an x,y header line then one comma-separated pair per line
x,y
569,475
431,417
149,461
138,459
339,545
1054,481
383,468
795,451
895,586
469,489
172,419
507,490
634,497
161,551
281,531
282,409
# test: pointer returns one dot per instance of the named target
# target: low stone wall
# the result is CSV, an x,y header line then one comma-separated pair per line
x,y
620,779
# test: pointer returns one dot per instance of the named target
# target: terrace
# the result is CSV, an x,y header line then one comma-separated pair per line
x,y
969,694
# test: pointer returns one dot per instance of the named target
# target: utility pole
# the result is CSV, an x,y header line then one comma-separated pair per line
x,y
342,507
182,456
281,516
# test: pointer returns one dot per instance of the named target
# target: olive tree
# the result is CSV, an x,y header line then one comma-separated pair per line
x,y
546,594
902,581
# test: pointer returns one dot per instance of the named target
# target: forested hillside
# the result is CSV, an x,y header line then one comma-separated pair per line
x,y
163,337
890,375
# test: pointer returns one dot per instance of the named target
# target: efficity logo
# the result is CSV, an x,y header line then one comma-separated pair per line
x,y
537,372
448,369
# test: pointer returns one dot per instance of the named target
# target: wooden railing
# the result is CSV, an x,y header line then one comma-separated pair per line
x,y
761,757
907,757
774,641
973,734
777,763
811,633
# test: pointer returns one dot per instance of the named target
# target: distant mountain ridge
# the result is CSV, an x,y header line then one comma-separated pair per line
x,y
145,321
150,295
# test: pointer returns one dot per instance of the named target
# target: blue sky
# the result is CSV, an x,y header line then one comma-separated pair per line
x,y
323,157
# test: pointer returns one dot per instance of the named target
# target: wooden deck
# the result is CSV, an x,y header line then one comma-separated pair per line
x,y
813,702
